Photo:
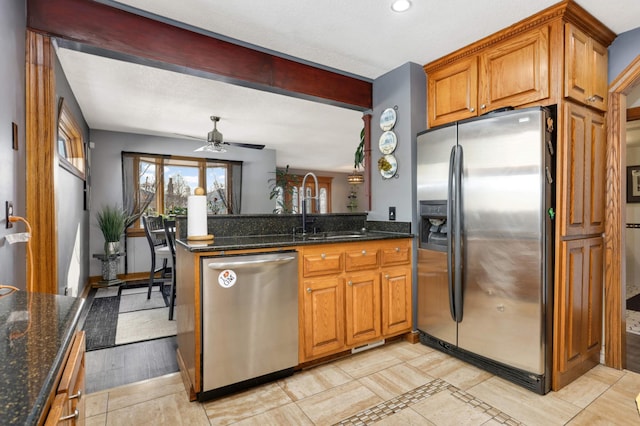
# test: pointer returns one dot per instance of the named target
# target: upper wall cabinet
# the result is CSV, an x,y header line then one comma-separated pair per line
x,y
585,78
510,73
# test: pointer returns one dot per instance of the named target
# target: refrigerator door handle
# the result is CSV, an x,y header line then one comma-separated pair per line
x,y
457,234
450,257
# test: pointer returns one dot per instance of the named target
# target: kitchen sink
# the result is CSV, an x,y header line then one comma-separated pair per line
x,y
335,235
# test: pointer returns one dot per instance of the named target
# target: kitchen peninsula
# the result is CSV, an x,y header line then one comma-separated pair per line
x,y
42,369
350,289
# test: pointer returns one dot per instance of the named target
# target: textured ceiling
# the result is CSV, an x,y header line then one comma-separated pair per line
x,y
358,37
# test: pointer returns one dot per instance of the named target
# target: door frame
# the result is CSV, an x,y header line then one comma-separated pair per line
x,y
614,274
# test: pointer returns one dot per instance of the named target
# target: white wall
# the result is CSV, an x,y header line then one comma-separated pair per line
x,y
340,190
106,182
12,110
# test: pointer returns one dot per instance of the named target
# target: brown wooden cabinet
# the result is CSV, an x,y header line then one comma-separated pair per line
x,y
581,168
368,295
478,84
396,297
363,307
578,309
68,406
586,62
323,313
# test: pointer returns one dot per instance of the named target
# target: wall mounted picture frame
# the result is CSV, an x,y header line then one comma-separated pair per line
x,y
633,184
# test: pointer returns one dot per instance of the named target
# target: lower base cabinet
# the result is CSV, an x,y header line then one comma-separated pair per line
x,y
353,294
68,406
578,310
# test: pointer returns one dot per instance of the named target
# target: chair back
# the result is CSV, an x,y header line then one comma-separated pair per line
x,y
170,234
150,224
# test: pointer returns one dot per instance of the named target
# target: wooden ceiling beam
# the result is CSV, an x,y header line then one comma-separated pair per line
x,y
89,25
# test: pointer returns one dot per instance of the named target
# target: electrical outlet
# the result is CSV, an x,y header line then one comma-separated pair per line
x,y
392,213
8,212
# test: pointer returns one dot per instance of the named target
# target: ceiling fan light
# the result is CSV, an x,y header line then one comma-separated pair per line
x,y
211,147
400,5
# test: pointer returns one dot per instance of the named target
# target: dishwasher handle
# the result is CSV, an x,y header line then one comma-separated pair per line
x,y
248,263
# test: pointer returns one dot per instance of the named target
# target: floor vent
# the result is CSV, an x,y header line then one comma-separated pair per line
x,y
367,346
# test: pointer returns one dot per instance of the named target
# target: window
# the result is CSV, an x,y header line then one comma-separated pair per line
x,y
160,184
70,144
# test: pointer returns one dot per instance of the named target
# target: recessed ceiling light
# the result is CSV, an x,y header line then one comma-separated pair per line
x,y
400,5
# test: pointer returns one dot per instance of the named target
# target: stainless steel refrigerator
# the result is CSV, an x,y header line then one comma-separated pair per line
x,y
485,260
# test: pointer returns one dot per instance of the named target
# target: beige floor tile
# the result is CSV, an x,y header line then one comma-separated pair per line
x,y
365,363
289,414
605,374
406,417
443,409
144,325
338,403
99,420
174,409
615,406
458,373
146,390
524,405
628,384
406,351
395,380
246,404
96,403
583,391
313,381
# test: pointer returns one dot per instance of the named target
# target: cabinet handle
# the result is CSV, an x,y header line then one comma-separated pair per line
x,y
591,99
350,282
78,395
308,290
386,276
75,415
472,109
364,252
323,256
483,106
397,249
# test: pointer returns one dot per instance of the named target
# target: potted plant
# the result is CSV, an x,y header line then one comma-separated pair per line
x,y
112,221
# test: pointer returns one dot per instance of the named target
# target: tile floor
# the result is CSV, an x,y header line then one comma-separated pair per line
x,y
398,384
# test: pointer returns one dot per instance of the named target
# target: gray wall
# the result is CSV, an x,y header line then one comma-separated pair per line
x,y
12,110
71,218
106,182
404,87
624,49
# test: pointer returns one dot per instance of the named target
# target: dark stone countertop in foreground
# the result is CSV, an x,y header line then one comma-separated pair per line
x,y
286,240
35,331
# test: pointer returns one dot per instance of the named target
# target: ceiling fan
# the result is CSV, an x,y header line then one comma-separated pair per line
x,y
215,142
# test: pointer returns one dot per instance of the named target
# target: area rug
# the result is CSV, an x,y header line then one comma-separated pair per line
x,y
124,315
100,325
633,303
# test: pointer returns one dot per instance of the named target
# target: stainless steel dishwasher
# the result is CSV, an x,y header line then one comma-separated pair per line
x,y
249,320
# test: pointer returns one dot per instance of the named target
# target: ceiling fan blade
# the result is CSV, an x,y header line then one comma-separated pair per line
x,y
245,145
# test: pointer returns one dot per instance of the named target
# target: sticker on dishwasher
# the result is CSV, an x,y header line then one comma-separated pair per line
x,y
227,278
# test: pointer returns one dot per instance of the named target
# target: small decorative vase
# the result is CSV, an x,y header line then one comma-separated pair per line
x,y
111,247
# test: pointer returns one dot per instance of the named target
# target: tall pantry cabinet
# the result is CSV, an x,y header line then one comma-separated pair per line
x,y
556,57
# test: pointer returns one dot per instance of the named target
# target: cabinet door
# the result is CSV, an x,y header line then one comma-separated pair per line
x,y
578,310
322,261
453,92
395,253
515,72
586,61
323,316
364,257
582,171
362,298
396,300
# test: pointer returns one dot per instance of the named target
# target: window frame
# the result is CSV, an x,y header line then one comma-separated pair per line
x,y
160,161
73,159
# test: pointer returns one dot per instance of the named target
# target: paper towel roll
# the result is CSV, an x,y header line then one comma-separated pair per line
x,y
197,216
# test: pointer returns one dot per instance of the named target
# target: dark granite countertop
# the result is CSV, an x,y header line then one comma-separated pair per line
x,y
35,331
287,240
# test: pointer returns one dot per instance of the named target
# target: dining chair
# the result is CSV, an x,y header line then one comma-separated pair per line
x,y
154,231
170,235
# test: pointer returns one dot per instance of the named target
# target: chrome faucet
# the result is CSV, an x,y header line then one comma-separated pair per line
x,y
304,200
